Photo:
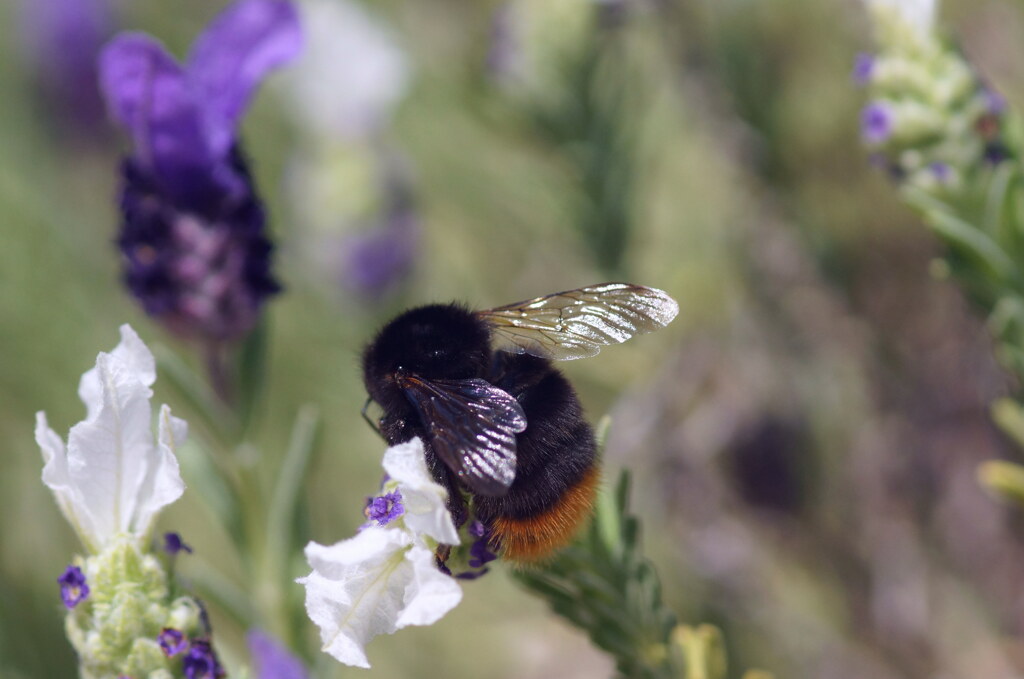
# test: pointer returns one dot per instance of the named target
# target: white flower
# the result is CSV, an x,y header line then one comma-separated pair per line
x,y
352,74
112,478
385,578
899,21
426,511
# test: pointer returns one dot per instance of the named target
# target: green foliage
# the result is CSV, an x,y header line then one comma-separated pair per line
x,y
604,585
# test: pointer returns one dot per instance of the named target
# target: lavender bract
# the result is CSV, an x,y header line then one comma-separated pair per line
x,y
193,227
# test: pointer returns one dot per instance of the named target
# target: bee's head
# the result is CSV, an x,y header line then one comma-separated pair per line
x,y
440,341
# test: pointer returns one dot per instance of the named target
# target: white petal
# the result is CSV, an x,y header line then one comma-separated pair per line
x,y
352,72
374,583
916,16
356,590
426,511
108,453
56,476
162,484
431,594
130,351
113,478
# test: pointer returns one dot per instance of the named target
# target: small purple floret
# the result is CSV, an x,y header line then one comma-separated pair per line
x,y
272,660
172,641
378,260
385,508
941,171
174,544
480,552
994,101
863,67
73,589
201,662
876,122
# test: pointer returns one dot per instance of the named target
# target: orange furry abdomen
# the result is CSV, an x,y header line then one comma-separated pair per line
x,y
534,538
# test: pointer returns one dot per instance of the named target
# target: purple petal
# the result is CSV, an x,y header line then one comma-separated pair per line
x,y
273,661
876,121
233,55
73,588
68,74
863,67
147,93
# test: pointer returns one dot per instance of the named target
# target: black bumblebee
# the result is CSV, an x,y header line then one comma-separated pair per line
x,y
496,418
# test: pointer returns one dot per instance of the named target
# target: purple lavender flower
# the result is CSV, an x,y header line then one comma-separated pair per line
x,y
995,102
172,641
174,544
201,662
941,171
863,67
385,508
379,260
480,552
505,52
61,39
192,233
272,660
876,122
73,589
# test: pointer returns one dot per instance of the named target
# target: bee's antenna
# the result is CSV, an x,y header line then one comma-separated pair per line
x,y
373,425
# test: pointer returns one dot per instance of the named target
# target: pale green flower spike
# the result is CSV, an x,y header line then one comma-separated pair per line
x,y
111,481
929,118
116,630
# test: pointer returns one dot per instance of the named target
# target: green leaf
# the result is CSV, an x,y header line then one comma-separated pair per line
x,y
960,234
1009,416
252,367
1004,479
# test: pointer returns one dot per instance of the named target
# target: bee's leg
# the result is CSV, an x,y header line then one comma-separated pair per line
x,y
366,417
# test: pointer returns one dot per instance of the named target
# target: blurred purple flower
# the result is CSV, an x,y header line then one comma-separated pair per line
x,y
375,262
61,39
995,102
876,122
941,171
863,66
272,660
192,235
505,53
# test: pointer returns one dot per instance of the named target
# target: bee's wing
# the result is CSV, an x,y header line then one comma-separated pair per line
x,y
472,427
577,323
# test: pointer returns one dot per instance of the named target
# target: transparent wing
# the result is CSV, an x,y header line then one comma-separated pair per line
x,y
472,427
577,323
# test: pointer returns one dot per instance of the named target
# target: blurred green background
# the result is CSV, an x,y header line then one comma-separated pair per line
x,y
804,437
